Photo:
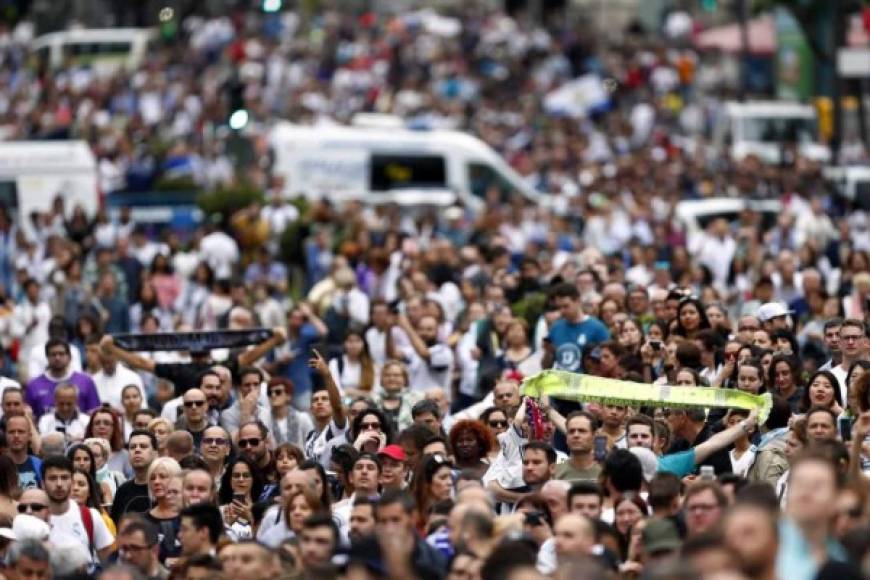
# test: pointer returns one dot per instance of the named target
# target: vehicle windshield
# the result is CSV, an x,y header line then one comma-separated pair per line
x,y
779,130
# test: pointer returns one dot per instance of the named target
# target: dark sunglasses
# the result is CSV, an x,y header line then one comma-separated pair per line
x,y
36,507
253,442
190,404
275,392
498,424
367,426
214,441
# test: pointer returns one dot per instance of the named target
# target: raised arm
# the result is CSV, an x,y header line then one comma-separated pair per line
x,y
315,320
254,354
416,342
131,359
319,364
725,438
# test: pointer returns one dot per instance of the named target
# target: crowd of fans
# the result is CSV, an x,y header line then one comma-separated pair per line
x,y
380,431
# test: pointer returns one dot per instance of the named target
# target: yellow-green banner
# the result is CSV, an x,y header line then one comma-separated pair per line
x,y
578,387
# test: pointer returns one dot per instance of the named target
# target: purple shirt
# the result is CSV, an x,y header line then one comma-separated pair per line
x,y
40,393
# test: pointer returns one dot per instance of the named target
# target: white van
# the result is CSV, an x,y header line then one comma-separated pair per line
x,y
761,128
33,173
381,163
104,49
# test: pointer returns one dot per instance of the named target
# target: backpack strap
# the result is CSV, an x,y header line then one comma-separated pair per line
x,y
88,522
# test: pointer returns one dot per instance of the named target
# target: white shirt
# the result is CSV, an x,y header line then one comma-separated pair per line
x,y
221,252
68,528
109,387
840,372
435,372
74,429
741,466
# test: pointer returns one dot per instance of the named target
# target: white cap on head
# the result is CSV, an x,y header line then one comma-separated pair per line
x,y
771,310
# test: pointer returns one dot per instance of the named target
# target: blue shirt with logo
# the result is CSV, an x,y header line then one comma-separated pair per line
x,y
569,339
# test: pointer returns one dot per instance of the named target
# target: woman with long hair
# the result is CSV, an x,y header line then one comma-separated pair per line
x,y
370,431
354,370
241,487
86,492
822,390
131,401
10,490
300,504
630,509
83,458
164,514
784,379
691,317
471,443
101,450
432,483
631,336
516,345
105,424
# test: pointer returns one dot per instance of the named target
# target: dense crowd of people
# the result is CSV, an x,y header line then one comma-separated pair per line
x,y
380,429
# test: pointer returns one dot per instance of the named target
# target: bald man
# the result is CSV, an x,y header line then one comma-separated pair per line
x,y
555,494
574,536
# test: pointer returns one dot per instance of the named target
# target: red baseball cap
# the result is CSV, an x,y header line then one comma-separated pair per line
x,y
393,452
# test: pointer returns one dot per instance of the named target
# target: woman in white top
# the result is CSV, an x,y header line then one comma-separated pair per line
x,y
354,370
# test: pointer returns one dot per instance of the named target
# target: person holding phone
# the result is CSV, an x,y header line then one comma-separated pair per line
x,y
241,485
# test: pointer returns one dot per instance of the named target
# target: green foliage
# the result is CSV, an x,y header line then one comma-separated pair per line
x,y
226,201
530,308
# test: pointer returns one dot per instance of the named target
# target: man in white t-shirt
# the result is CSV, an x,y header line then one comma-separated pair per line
x,y
112,379
430,362
70,522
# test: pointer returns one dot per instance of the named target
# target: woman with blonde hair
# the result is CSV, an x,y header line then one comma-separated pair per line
x,y
394,397
161,428
164,514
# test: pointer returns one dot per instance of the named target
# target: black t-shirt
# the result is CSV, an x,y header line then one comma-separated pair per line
x,y
720,460
130,497
185,376
167,536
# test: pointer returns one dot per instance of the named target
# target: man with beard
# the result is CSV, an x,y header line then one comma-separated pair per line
x,y
195,419
430,362
132,495
70,522
197,487
252,444
752,532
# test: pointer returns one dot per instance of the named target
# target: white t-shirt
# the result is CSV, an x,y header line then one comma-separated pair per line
x,y
68,527
435,372
109,387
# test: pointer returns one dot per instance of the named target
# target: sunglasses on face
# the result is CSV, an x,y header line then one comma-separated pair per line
x,y
366,426
253,442
498,424
35,507
275,392
190,404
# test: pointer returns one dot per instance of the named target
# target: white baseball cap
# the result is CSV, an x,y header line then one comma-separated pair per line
x,y
771,310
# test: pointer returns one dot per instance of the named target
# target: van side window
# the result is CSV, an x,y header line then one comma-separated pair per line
x,y
482,178
406,171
